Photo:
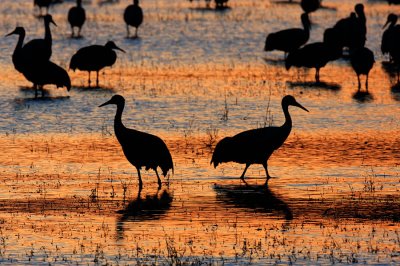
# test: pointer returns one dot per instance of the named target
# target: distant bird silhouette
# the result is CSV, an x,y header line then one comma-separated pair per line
x,y
39,50
389,34
290,39
40,73
315,55
76,17
257,145
140,148
133,16
17,56
395,53
41,4
309,6
94,58
352,30
362,60
394,2
220,3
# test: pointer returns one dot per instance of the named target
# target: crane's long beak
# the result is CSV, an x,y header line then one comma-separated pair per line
x,y
301,106
117,48
52,22
106,103
387,22
11,33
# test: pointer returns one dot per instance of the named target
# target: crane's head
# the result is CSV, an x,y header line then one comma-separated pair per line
x,y
49,19
136,2
290,100
391,19
113,46
17,31
116,99
359,8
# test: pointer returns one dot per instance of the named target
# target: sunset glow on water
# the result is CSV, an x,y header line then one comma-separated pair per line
x,y
69,196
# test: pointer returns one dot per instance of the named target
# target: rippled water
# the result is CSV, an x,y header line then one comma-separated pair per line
x,y
194,76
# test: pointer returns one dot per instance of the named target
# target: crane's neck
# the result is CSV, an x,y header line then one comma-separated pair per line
x,y
118,117
288,119
79,3
47,32
392,24
306,26
20,41
361,17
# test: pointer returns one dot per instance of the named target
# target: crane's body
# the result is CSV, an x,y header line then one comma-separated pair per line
x,y
140,149
94,58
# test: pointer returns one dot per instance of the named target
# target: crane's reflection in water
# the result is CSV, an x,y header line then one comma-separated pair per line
x,y
256,198
151,207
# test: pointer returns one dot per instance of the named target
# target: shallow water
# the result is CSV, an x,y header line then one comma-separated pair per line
x,y
194,76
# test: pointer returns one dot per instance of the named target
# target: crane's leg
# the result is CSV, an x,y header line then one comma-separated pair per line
x,y
244,172
140,179
136,31
158,179
317,75
359,82
366,83
36,89
127,31
72,31
89,78
79,31
41,88
267,174
97,78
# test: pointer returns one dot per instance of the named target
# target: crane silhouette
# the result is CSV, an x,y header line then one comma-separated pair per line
x,y
290,39
47,73
309,6
133,16
394,2
17,56
41,4
362,60
257,145
352,30
316,55
76,18
140,148
94,58
395,52
39,50
41,72
220,4
389,34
